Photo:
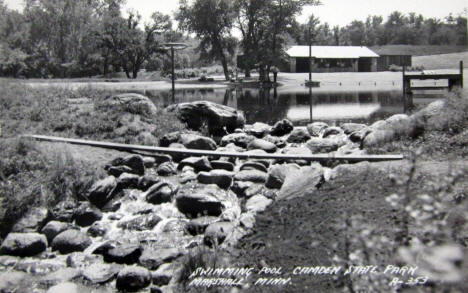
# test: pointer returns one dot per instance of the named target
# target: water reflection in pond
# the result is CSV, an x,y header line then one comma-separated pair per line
x,y
301,107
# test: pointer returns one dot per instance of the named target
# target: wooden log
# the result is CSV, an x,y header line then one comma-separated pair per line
x,y
197,153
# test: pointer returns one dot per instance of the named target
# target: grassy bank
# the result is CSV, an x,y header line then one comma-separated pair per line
x,y
78,113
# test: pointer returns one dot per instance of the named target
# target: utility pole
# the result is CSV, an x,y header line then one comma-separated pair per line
x,y
310,56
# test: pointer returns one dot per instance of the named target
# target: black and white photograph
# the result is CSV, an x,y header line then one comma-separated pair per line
x,y
230,146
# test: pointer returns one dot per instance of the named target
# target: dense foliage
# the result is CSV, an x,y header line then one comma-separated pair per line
x,y
82,38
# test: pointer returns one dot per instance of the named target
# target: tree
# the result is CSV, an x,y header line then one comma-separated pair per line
x,y
131,45
264,25
211,21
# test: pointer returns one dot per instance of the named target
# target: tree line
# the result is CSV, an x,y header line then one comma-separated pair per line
x,y
77,38
398,29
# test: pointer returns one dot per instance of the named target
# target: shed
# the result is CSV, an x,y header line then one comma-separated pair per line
x,y
332,59
392,55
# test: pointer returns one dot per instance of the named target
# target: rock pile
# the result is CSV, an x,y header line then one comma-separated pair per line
x,y
139,221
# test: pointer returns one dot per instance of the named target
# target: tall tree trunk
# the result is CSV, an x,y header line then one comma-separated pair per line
x,y
225,66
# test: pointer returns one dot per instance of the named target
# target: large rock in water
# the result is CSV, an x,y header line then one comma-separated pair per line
x,y
132,103
71,241
102,191
23,244
132,279
217,117
200,201
301,182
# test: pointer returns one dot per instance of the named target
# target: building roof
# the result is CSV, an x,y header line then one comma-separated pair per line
x,y
331,52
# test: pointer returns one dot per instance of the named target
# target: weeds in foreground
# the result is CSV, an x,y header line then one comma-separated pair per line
x,y
430,234
32,176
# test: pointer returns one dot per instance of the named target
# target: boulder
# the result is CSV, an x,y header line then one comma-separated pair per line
x,y
102,191
250,165
98,229
64,210
128,181
81,260
131,103
160,192
278,141
132,279
238,139
198,142
152,258
163,275
257,203
251,175
166,169
265,162
330,131
222,165
261,144
136,163
198,226
147,181
359,135
217,232
282,127
378,137
245,188
116,171
180,156
200,201
86,215
301,151
149,162
222,178
32,221
277,174
217,117
23,244
302,182
53,228
350,149
70,241
123,254
258,129
197,163
100,273
316,128
298,135
349,128
347,169
324,145
169,138
140,223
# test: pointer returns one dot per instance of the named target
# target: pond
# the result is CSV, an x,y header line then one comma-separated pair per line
x,y
301,107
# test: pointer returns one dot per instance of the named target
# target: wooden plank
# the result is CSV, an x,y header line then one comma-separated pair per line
x,y
196,153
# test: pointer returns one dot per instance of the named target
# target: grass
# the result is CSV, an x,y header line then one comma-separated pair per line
x,y
77,113
444,61
31,176
414,50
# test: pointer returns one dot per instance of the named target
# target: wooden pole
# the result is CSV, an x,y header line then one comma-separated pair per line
x,y
198,153
173,74
461,73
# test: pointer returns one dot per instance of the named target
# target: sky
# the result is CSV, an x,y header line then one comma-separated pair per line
x,y
335,12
